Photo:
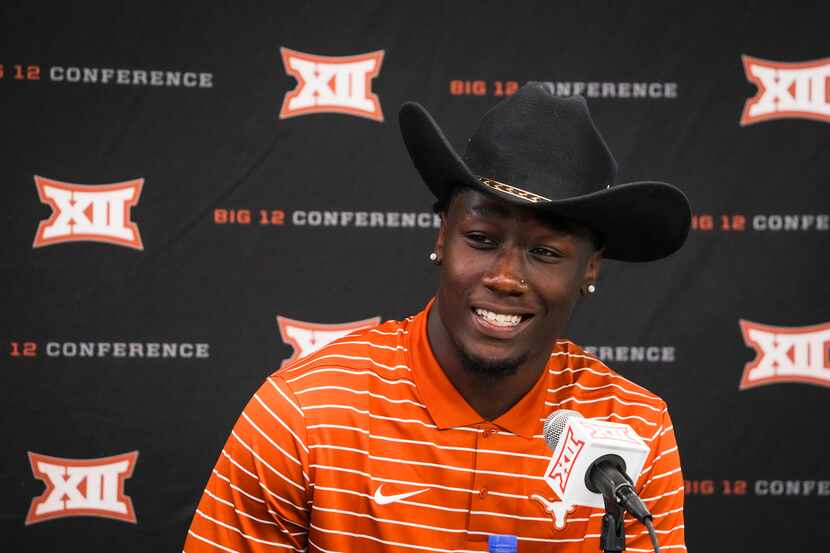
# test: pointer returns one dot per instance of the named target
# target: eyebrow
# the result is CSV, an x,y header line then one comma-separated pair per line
x,y
559,226
488,210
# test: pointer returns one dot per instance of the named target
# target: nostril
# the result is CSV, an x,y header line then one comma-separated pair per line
x,y
505,285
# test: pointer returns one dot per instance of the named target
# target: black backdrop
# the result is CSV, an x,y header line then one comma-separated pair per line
x,y
754,458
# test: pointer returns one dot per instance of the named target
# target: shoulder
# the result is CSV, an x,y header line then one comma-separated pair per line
x,y
587,366
359,357
597,391
359,349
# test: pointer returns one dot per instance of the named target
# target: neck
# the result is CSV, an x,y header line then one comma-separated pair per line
x,y
490,396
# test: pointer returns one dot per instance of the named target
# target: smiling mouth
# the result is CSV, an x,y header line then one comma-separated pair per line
x,y
502,320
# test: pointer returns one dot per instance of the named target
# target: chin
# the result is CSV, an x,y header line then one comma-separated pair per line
x,y
491,366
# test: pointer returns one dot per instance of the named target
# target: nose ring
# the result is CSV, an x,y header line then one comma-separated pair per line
x,y
523,283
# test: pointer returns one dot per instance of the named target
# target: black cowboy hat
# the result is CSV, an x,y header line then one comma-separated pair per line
x,y
540,150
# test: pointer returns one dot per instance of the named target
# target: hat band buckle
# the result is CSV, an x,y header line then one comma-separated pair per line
x,y
513,191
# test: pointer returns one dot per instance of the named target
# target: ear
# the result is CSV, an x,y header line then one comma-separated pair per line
x,y
592,268
442,233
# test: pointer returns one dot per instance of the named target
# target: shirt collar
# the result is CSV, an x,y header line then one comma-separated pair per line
x,y
447,406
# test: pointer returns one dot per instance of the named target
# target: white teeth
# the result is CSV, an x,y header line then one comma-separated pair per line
x,y
498,319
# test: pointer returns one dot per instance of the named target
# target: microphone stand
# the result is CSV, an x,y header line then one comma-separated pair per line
x,y
612,536
606,475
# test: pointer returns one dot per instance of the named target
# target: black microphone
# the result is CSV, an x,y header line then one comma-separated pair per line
x,y
607,476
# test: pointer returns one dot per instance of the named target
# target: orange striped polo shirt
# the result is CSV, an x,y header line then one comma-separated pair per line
x,y
366,445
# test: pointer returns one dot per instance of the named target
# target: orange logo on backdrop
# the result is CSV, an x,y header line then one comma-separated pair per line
x,y
786,354
787,90
82,487
82,213
327,84
306,338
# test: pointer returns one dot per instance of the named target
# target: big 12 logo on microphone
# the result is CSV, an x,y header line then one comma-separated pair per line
x,y
306,338
562,464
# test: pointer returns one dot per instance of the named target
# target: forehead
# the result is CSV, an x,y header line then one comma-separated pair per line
x,y
472,203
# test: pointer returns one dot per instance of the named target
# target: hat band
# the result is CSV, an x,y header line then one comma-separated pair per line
x,y
513,191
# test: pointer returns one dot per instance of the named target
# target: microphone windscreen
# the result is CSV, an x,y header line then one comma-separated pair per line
x,y
555,425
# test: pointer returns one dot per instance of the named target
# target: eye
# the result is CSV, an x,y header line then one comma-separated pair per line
x,y
479,240
545,253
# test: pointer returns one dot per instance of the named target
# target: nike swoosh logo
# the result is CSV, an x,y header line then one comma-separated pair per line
x,y
381,499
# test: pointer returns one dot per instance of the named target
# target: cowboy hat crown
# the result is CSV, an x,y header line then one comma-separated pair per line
x,y
544,151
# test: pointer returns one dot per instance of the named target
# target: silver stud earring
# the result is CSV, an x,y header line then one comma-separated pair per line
x,y
591,288
434,258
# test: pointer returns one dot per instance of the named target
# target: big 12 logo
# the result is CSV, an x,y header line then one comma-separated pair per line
x,y
306,338
82,487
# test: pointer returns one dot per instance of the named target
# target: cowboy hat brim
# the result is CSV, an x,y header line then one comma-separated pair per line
x,y
638,221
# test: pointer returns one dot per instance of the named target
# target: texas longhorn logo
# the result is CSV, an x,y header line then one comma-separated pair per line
x,y
786,354
557,510
327,84
82,213
306,338
787,90
82,487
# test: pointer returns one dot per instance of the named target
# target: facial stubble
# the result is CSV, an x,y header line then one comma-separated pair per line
x,y
493,369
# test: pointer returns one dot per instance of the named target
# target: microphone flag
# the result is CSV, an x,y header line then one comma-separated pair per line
x,y
581,442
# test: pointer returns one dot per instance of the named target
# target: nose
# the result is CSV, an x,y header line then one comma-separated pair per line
x,y
505,274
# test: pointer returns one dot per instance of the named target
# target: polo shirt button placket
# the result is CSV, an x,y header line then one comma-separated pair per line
x,y
486,433
481,484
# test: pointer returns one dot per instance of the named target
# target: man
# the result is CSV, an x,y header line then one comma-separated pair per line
x,y
426,434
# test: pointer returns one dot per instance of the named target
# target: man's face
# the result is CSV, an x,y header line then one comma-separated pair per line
x,y
509,281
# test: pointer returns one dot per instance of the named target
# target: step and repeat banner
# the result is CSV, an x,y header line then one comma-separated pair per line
x,y
196,194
